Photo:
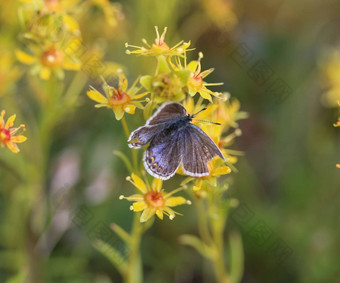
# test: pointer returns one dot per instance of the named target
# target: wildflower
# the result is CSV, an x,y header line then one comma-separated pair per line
x,y
7,134
196,83
49,60
153,200
331,70
121,100
159,47
220,12
112,11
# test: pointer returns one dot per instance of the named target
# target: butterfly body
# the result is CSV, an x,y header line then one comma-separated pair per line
x,y
174,141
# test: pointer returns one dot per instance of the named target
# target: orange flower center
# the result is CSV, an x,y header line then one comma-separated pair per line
x,y
52,5
118,97
52,58
154,199
5,136
196,81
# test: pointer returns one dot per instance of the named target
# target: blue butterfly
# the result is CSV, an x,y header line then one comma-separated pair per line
x,y
174,141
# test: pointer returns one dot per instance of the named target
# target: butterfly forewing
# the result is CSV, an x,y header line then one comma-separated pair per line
x,y
167,112
143,135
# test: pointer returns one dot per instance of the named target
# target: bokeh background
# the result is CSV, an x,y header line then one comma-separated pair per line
x,y
280,59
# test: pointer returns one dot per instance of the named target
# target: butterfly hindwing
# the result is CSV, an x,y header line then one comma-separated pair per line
x,y
162,158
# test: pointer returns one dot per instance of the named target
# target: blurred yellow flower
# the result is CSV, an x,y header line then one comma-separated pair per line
x,y
331,69
7,133
196,83
159,47
121,100
49,60
112,11
220,13
153,200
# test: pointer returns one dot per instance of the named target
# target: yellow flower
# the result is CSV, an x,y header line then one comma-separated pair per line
x,y
159,47
331,70
220,13
112,11
119,100
196,83
49,60
7,133
153,200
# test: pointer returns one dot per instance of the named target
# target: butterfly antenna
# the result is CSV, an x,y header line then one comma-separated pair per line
x,y
205,121
194,115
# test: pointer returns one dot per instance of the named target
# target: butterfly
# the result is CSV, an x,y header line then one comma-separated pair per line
x,y
174,141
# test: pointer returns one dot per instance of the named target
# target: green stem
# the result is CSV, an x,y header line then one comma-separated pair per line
x,y
217,228
134,270
133,152
202,222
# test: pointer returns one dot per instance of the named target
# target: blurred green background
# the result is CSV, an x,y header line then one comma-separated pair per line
x,y
272,56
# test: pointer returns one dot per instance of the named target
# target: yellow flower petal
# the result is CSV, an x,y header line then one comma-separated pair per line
x,y
123,83
157,184
45,73
174,201
10,121
221,171
135,197
119,112
97,96
70,65
24,57
13,147
18,139
147,213
159,213
130,109
70,23
139,206
205,94
138,182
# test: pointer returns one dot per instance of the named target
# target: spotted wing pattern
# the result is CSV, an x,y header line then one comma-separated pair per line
x,y
162,158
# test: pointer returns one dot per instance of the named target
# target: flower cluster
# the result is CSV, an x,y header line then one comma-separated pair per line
x,y
175,80
53,38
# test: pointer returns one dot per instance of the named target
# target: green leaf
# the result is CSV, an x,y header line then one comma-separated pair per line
x,y
121,232
163,66
198,245
146,82
112,255
184,76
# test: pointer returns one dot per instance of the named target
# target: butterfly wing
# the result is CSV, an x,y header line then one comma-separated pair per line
x,y
167,112
143,135
197,149
163,156
159,121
